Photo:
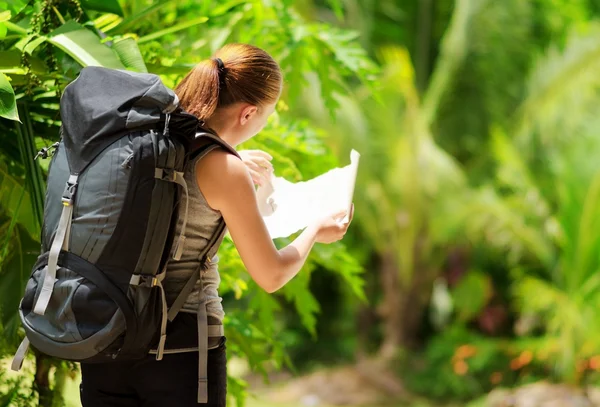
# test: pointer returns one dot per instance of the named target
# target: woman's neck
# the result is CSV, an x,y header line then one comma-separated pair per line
x,y
222,125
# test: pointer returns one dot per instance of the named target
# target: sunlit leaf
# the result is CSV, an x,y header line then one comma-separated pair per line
x,y
471,294
84,46
4,16
8,105
15,200
14,272
108,6
129,53
130,21
174,29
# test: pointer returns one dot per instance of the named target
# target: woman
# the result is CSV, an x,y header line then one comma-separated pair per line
x,y
233,93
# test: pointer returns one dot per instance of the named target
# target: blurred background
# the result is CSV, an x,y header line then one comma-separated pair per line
x,y
470,276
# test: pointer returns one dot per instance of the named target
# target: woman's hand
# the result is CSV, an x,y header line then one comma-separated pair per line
x,y
225,182
332,228
258,164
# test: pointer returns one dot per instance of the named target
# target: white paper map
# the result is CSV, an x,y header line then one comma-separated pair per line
x,y
288,207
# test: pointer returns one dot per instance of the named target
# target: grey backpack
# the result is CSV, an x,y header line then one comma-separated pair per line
x,y
111,206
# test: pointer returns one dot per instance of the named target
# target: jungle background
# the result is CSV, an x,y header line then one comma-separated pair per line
x,y
470,275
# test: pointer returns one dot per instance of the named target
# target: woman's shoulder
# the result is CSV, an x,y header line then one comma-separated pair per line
x,y
222,163
220,174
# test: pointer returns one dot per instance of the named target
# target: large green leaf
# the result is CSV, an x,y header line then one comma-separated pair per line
x,y
471,294
129,53
174,29
16,6
15,200
562,91
8,105
130,21
84,46
108,6
179,69
14,272
4,16
10,63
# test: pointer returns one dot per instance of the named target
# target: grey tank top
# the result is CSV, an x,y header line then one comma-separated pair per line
x,y
201,225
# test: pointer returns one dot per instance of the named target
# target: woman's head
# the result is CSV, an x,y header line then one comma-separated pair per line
x,y
234,92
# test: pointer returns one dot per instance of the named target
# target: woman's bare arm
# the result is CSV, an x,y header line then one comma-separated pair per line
x,y
227,187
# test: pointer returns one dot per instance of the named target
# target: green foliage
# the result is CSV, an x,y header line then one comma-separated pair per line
x,y
478,135
8,106
47,48
460,364
471,294
515,105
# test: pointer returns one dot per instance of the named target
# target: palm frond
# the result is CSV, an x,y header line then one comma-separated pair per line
x,y
562,89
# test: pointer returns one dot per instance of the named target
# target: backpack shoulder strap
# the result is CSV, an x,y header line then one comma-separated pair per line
x,y
205,139
203,143
189,286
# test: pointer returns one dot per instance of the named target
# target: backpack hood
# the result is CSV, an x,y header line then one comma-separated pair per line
x,y
101,103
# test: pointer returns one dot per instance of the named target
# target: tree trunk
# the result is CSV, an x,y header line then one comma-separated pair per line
x,y
42,380
366,316
414,304
391,308
403,306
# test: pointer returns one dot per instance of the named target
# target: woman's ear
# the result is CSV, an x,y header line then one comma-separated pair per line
x,y
247,113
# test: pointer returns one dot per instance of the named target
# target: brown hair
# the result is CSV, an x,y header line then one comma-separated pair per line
x,y
236,73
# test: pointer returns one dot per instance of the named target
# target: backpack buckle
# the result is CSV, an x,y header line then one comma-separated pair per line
x,y
70,190
165,175
144,281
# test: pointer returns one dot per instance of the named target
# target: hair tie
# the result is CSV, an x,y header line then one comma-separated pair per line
x,y
220,63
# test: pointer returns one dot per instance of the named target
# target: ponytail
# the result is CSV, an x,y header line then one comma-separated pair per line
x,y
200,89
237,73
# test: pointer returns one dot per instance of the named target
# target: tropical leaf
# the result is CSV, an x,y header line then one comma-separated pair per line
x,y
130,21
490,219
108,6
33,174
173,29
129,53
562,91
298,292
454,47
471,294
15,200
16,6
84,46
10,62
8,104
4,16
15,269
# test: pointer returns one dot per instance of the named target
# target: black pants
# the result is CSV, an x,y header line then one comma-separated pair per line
x,y
172,381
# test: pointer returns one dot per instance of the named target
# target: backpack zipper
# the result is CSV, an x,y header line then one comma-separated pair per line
x,y
127,163
45,152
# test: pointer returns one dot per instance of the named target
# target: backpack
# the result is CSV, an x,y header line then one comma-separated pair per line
x,y
115,181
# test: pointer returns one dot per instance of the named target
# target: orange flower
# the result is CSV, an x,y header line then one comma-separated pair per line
x,y
465,351
595,363
526,357
496,378
515,364
461,368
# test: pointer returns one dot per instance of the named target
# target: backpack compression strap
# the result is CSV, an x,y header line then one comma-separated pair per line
x,y
60,242
205,143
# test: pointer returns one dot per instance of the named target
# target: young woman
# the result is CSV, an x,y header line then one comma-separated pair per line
x,y
233,93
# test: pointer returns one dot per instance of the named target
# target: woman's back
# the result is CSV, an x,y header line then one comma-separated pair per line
x,y
202,224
